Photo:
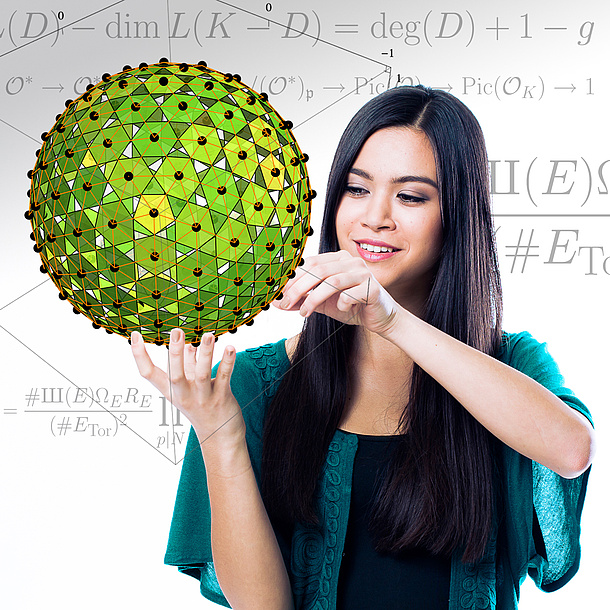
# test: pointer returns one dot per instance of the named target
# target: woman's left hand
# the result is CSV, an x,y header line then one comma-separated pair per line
x,y
342,287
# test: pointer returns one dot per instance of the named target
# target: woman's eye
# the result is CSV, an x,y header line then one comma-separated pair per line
x,y
410,198
355,190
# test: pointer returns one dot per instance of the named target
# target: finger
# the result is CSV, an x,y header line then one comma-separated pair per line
x,y
342,284
222,381
190,361
145,365
203,368
176,357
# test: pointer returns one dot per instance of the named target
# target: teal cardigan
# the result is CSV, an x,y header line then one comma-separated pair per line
x,y
539,533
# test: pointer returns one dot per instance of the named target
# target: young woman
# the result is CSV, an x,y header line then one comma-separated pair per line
x,y
402,451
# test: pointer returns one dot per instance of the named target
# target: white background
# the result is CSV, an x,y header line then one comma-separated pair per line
x,y
84,520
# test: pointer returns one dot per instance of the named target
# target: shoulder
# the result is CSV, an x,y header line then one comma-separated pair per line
x,y
291,345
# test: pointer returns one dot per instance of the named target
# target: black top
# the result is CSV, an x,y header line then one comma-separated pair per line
x,y
413,579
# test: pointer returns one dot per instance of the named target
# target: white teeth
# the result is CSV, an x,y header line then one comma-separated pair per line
x,y
370,248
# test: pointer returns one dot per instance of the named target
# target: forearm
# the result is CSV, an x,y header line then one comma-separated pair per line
x,y
515,408
247,559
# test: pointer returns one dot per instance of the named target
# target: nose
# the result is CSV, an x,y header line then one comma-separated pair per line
x,y
378,213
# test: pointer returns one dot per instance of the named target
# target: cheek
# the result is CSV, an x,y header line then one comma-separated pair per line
x,y
343,222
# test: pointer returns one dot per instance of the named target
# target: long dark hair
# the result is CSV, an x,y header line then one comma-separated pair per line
x,y
438,492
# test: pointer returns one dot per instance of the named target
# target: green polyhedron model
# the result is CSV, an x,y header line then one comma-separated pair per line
x,y
170,195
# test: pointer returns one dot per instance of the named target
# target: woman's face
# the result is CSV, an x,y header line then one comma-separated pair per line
x,y
392,198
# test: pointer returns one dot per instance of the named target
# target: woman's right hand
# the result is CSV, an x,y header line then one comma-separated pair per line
x,y
207,403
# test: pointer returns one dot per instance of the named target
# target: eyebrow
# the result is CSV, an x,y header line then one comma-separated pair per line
x,y
399,180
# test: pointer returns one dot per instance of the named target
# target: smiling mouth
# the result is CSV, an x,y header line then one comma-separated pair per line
x,y
376,253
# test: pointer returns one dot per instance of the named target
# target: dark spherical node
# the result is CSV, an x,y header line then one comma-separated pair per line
x,y
228,114
87,186
209,85
294,161
238,281
237,77
135,106
234,242
81,273
232,330
96,326
153,213
196,227
37,152
309,232
154,137
89,87
69,153
183,105
264,97
155,294
86,306
250,100
258,206
77,232
126,68
265,307
290,208
183,67
164,60
198,330
32,237
118,304
197,271
106,77
94,116
237,311
123,84
54,195
275,172
43,269
266,132
178,175
269,281
128,176
242,154
228,77
291,275
108,331
44,165
51,238
304,157
87,97
163,81
202,63
270,246
143,65
30,174
107,143
221,190
68,102
295,243
154,256
57,275
114,268
60,128
159,342
113,224
44,136
158,323
201,140
199,306
301,262
250,322
62,296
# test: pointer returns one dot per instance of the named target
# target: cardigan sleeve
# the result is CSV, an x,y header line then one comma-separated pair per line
x,y
543,509
189,546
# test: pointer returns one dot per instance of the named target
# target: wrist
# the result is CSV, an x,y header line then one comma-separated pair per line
x,y
225,460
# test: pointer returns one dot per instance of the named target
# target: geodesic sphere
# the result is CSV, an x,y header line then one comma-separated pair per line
x,y
170,195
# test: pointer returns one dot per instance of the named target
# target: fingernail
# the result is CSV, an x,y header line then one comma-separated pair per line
x,y
208,339
285,303
175,335
303,311
135,337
